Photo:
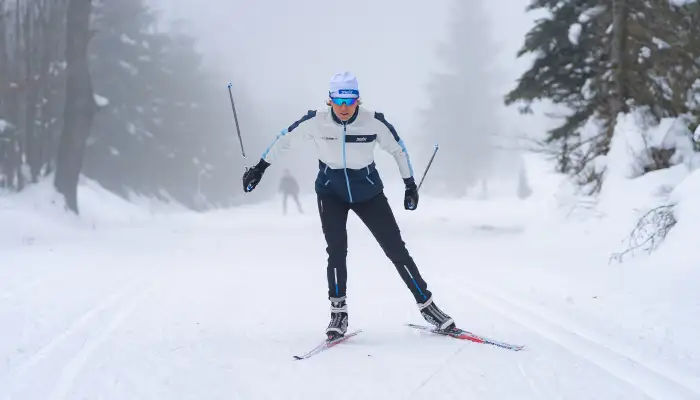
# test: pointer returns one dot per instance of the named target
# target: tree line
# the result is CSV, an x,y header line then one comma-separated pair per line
x,y
97,88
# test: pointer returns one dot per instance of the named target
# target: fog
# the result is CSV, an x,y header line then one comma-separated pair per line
x,y
287,51
279,55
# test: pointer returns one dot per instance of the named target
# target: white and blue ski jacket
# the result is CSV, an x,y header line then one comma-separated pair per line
x,y
346,151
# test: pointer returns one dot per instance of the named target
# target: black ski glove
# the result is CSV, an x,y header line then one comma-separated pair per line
x,y
410,199
252,176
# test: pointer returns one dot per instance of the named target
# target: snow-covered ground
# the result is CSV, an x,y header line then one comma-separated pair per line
x,y
140,302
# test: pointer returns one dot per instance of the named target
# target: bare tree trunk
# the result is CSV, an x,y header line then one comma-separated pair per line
x,y
617,94
45,56
14,108
80,107
4,84
4,58
31,87
43,53
619,67
52,108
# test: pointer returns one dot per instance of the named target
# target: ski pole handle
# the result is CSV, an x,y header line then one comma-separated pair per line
x,y
428,167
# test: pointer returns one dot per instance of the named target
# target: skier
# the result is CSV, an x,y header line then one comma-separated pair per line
x,y
289,187
345,135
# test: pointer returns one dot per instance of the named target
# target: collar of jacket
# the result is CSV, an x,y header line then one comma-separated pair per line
x,y
350,121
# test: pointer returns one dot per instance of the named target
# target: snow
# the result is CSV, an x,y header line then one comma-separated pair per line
x,y
4,125
574,33
685,196
143,299
101,101
635,134
591,13
660,43
696,135
129,67
124,38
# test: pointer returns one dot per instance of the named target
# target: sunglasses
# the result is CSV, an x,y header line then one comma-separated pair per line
x,y
340,101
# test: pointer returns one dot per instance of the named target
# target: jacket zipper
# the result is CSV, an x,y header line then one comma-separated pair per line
x,y
345,164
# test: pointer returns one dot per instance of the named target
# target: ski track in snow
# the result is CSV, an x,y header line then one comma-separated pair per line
x,y
73,367
43,280
15,377
531,382
22,288
657,382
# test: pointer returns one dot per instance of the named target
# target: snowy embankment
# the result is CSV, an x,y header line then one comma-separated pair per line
x,y
134,301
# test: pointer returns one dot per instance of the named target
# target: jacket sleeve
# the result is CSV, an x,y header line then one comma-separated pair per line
x,y
294,133
390,142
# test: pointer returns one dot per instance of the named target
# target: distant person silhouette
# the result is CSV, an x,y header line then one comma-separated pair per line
x,y
289,187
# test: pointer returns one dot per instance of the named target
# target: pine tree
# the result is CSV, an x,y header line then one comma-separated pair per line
x,y
123,145
523,190
599,59
569,69
462,115
32,89
156,137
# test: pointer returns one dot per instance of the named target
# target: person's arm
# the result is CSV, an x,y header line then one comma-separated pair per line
x,y
295,132
390,142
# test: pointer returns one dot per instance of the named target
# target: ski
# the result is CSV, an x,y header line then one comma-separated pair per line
x,y
327,344
465,335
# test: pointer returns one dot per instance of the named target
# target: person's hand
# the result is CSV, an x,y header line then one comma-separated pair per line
x,y
410,199
252,176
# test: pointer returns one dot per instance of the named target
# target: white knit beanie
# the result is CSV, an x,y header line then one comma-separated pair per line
x,y
344,84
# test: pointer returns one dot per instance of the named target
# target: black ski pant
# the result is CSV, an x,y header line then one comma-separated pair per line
x,y
377,215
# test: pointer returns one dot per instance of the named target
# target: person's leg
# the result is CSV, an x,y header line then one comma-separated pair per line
x,y
334,215
296,199
377,215
284,203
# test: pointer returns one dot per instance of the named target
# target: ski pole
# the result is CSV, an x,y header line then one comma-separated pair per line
x,y
428,167
238,129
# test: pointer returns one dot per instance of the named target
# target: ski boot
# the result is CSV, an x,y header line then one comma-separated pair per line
x,y
339,319
435,316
